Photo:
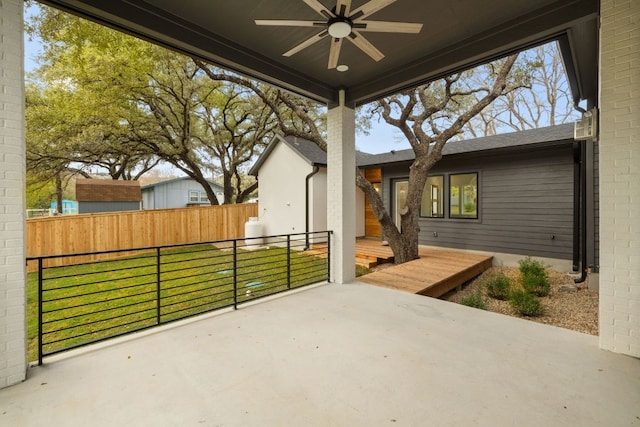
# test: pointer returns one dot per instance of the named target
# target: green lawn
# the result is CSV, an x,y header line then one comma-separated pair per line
x,y
92,301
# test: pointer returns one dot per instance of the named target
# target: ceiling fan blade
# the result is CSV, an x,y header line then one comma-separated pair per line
x,y
343,7
369,8
306,43
320,8
390,27
365,46
334,53
289,23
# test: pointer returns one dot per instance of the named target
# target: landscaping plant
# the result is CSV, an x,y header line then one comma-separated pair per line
x,y
474,300
498,286
526,303
535,279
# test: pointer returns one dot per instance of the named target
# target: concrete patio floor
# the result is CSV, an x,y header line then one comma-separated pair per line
x,y
336,355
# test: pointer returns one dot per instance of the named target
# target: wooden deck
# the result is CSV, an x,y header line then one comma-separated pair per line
x,y
437,272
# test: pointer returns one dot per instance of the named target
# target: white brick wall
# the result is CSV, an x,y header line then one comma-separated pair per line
x,y
12,195
620,176
341,191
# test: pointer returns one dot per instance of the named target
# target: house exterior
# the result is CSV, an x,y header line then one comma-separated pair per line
x,y
107,195
178,193
511,194
69,207
603,73
292,188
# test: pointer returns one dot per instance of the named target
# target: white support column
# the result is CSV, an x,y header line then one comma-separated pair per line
x,y
620,176
341,190
13,347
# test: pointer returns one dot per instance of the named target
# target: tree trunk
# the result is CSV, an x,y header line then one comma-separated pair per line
x,y
59,193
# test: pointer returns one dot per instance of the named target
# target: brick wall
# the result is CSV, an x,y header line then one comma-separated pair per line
x,y
620,176
12,196
341,191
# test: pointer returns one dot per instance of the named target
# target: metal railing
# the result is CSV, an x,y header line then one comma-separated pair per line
x,y
84,303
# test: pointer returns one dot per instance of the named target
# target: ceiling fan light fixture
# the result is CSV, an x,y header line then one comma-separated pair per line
x,y
342,68
339,29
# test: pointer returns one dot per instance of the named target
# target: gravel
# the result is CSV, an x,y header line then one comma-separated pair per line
x,y
575,308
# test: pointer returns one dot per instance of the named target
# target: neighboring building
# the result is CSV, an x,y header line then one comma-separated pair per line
x,y
178,193
510,194
107,195
69,207
293,188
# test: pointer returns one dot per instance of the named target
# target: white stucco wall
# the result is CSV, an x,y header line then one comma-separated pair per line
x,y
279,172
281,192
318,201
620,176
13,342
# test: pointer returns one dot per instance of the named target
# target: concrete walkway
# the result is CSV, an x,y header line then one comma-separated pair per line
x,y
337,355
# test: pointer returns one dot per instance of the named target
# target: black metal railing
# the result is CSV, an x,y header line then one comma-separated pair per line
x,y
82,302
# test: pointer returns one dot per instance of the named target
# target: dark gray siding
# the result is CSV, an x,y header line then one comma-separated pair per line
x,y
97,207
525,199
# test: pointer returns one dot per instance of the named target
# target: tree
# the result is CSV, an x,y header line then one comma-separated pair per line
x,y
428,117
545,101
134,104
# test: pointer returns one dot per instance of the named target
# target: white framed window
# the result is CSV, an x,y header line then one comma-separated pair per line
x,y
431,205
463,195
196,196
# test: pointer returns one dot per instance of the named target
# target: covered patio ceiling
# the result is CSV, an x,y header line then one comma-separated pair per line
x,y
455,34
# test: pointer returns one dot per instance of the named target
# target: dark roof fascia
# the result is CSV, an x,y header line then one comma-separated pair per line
x,y
509,142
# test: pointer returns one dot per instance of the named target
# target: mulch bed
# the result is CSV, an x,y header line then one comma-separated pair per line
x,y
576,310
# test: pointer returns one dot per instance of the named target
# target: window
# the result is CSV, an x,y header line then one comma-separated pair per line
x,y
431,205
463,196
198,197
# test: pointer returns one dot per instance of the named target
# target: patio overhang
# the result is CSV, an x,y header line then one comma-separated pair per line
x,y
455,36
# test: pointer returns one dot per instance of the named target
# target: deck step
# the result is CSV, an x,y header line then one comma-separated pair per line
x,y
434,274
366,262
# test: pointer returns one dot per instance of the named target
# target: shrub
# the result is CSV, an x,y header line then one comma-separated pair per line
x,y
498,286
537,284
525,303
531,266
474,300
535,279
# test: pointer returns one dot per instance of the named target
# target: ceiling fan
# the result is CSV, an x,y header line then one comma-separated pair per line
x,y
343,23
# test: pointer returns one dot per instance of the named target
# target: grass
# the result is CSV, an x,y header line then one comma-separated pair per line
x,y
92,301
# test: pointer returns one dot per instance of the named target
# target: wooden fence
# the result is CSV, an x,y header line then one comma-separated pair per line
x,y
134,229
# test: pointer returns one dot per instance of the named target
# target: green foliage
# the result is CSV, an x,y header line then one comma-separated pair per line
x,y
525,303
531,266
475,300
537,284
361,271
498,286
535,278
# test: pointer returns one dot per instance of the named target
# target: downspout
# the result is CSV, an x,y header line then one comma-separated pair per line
x,y
307,179
583,213
581,216
576,205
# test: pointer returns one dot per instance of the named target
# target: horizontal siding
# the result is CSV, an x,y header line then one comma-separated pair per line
x,y
525,198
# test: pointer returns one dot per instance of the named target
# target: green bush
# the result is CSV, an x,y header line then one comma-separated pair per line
x,y
537,284
530,266
474,300
526,304
535,279
498,286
